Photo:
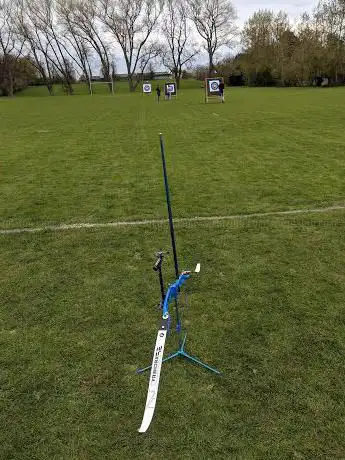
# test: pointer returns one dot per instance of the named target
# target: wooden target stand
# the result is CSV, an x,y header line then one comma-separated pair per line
x,y
212,88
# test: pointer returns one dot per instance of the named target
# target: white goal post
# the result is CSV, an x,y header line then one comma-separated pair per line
x,y
91,83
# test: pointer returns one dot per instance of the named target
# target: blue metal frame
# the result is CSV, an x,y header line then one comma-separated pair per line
x,y
181,353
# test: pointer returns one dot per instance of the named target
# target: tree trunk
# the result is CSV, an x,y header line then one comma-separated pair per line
x,y
177,78
89,86
211,64
131,84
107,77
67,85
10,84
111,85
50,88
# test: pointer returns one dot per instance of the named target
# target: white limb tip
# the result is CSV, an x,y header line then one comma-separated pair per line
x,y
154,381
197,268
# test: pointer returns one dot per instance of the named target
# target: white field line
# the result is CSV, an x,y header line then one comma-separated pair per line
x,y
134,223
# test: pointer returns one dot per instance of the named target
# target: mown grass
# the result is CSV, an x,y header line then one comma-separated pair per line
x,y
71,159
78,311
79,317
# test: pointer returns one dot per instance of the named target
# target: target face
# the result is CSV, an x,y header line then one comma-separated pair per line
x,y
214,86
147,88
170,88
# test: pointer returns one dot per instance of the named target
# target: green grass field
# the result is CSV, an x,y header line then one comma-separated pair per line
x,y
78,311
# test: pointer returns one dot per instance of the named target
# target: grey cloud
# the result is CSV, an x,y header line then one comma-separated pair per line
x,y
293,8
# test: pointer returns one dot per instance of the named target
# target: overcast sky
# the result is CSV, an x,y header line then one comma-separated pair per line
x,y
245,9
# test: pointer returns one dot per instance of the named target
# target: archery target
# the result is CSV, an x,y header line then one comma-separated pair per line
x,y
147,88
171,88
213,86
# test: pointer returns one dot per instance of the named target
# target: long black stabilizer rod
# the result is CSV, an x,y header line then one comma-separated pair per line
x,y
172,234
167,194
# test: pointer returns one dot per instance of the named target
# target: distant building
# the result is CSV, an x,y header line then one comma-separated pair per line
x,y
93,78
162,75
156,75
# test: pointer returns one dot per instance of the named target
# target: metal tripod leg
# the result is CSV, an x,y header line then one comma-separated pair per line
x,y
182,353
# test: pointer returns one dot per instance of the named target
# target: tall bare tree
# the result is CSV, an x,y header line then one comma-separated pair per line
x,y
46,38
146,61
11,44
132,23
180,50
215,22
75,44
84,17
30,33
